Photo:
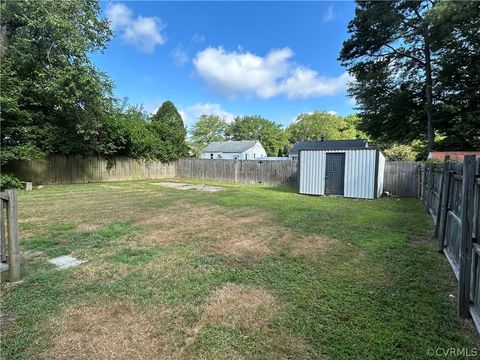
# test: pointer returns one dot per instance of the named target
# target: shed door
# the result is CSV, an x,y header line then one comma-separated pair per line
x,y
334,173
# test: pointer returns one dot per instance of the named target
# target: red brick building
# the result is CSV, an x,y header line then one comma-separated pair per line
x,y
454,155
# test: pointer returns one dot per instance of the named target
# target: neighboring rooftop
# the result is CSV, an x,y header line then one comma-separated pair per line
x,y
230,146
327,145
454,155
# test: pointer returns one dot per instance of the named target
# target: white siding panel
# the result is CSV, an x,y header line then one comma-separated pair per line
x,y
359,173
381,171
312,173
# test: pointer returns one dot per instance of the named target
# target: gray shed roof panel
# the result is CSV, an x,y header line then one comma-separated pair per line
x,y
327,145
230,146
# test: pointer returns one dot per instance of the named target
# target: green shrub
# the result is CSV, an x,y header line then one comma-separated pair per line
x,y
400,153
8,181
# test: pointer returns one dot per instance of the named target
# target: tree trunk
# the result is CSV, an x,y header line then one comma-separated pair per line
x,y
428,93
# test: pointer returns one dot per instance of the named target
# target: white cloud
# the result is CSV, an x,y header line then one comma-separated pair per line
x,y
329,14
179,55
332,112
191,113
144,32
304,83
232,73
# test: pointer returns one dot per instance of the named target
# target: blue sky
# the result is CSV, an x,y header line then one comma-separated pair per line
x,y
274,59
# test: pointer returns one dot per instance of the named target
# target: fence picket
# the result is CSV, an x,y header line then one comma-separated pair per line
x,y
468,193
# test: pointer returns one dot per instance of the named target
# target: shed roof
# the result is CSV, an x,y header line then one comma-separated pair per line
x,y
327,145
230,146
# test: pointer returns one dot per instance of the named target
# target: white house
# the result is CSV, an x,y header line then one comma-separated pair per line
x,y
233,150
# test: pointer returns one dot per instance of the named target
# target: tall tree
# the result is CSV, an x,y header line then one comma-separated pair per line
x,y
389,53
168,126
321,124
456,40
270,134
53,99
207,129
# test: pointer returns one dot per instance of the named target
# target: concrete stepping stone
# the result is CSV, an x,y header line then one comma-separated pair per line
x,y
66,261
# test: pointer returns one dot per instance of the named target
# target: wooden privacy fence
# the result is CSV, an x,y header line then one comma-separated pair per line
x,y
9,249
402,178
451,194
65,169
73,169
269,172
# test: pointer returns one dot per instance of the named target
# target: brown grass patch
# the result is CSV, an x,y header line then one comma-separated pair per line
x,y
422,240
251,310
240,306
188,221
32,219
113,331
224,231
6,320
231,232
101,271
87,227
311,245
31,255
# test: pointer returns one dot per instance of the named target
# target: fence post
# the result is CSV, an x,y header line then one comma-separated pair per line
x,y
421,181
418,175
3,240
468,192
443,208
426,188
13,249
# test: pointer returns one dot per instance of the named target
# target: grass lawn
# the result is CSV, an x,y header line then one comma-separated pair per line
x,y
244,273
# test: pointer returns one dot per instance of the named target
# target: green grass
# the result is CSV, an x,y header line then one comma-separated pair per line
x,y
347,278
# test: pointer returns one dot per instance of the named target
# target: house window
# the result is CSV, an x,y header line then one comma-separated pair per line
x,y
254,156
246,156
211,156
219,156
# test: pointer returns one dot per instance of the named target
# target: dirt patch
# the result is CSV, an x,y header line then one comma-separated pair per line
x,y
184,186
114,331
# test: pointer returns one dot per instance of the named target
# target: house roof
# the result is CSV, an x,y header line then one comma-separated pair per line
x,y
230,146
454,155
327,145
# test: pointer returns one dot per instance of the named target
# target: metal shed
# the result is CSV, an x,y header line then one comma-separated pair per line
x,y
354,173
